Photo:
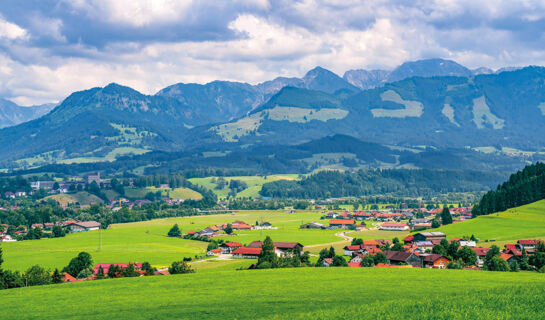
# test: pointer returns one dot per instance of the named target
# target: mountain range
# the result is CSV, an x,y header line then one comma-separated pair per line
x,y
434,103
12,114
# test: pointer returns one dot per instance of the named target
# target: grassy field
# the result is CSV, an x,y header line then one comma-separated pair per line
x,y
526,222
177,193
82,197
147,241
303,293
254,184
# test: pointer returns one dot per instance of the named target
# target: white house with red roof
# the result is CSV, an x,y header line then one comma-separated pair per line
x,y
247,253
394,226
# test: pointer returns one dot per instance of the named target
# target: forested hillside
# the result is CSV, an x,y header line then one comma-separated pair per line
x,y
326,184
523,187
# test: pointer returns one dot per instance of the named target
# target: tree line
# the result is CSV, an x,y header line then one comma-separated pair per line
x,y
523,187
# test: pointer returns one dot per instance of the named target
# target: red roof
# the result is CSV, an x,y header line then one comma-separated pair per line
x,y
408,238
527,242
68,278
394,224
351,221
354,264
352,248
232,244
328,260
373,250
506,256
481,251
248,251
106,266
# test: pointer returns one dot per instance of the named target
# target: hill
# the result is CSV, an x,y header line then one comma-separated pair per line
x,y
525,222
351,294
12,114
82,197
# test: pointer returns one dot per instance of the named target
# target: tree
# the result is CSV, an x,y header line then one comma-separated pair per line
x,y
339,261
439,249
467,255
146,267
452,249
446,217
179,267
100,273
36,276
538,258
58,232
175,231
228,229
524,262
435,223
492,252
267,253
397,247
367,261
82,261
514,266
56,277
212,245
331,252
497,263
56,186
380,258
114,271
357,241
85,273
130,271
11,279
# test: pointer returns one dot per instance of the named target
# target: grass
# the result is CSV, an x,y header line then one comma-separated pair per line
x,y
147,241
177,193
254,184
526,222
82,197
303,293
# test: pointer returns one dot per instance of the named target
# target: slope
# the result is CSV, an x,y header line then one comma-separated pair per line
x,y
290,294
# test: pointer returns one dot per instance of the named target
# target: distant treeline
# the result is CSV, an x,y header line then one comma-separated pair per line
x,y
399,182
523,187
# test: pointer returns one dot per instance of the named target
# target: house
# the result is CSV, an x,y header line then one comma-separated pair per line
x,y
229,247
423,245
79,226
9,194
436,261
106,266
351,250
331,215
481,254
6,238
247,253
213,252
263,226
208,232
280,248
385,265
312,225
239,225
66,278
362,215
429,236
327,262
342,224
370,250
354,264
513,249
371,243
465,243
508,257
360,226
20,193
394,226
527,244
94,178
396,257
408,239
357,259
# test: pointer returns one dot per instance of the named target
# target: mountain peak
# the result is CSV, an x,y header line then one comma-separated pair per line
x,y
429,68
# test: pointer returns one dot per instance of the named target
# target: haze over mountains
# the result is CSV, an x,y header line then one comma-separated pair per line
x,y
423,104
12,114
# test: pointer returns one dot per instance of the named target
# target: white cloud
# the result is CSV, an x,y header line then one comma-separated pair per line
x,y
10,30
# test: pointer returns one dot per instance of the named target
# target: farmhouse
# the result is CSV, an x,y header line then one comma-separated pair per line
x,y
247,253
464,243
342,224
396,257
263,226
527,244
394,226
436,261
351,250
79,226
213,252
280,248
240,225
429,236
312,225
229,247
481,254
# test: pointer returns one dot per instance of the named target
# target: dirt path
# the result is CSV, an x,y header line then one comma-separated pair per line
x,y
339,234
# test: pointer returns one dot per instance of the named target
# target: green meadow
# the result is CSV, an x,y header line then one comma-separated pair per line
x,y
254,184
526,222
301,293
147,241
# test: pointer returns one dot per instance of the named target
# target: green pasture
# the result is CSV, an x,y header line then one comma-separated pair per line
x,y
254,184
301,293
147,241
82,197
176,193
526,222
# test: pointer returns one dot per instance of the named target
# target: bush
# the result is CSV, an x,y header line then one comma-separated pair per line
x,y
36,276
175,231
179,267
85,273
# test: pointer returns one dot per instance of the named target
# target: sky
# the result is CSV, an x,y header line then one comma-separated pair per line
x,y
49,49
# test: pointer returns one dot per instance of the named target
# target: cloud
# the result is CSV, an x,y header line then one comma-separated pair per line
x,y
49,49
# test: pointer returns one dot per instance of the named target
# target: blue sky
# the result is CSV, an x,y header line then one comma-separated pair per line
x,y
49,49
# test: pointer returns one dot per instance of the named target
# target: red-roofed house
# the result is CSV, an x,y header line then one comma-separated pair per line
x,y
507,257
408,239
350,250
68,278
247,253
527,244
241,226
354,264
394,226
214,252
481,254
436,261
342,224
229,247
